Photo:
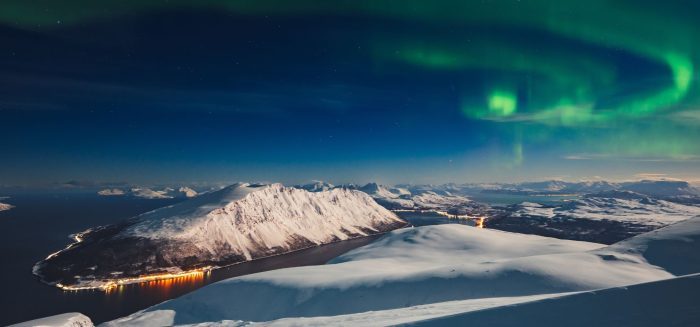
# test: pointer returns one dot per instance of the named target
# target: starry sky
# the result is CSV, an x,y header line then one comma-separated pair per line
x,y
348,91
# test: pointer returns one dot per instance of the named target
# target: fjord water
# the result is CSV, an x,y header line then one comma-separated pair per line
x,y
41,223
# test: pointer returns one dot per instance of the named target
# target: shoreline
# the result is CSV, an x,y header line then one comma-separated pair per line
x,y
107,285
443,213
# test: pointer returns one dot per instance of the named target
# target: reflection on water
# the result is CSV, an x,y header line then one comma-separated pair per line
x,y
129,298
164,287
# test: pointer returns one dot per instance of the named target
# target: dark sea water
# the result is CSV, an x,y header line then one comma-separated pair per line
x,y
40,225
430,218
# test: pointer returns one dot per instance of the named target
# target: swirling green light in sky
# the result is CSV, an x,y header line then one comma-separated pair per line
x,y
502,103
570,87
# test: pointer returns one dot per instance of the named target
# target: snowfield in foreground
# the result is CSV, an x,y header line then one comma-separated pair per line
x,y
72,319
670,302
430,271
238,223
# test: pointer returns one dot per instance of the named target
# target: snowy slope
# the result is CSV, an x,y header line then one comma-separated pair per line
x,y
238,223
252,220
668,302
412,267
671,302
184,191
73,319
674,248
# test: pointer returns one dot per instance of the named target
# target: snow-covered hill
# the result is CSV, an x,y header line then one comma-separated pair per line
x,y
604,217
674,247
238,223
73,319
668,302
5,206
316,186
408,268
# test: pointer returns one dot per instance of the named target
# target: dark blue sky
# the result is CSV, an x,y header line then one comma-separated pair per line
x,y
176,92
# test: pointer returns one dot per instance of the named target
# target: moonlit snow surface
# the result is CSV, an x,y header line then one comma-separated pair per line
x,y
72,319
417,268
670,302
250,216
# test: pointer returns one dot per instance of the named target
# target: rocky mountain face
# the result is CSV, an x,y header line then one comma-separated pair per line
x,y
238,223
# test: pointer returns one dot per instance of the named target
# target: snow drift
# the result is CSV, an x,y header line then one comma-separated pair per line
x,y
72,319
411,267
661,303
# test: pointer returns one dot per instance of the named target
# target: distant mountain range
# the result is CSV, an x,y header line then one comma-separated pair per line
x,y
405,198
655,188
148,193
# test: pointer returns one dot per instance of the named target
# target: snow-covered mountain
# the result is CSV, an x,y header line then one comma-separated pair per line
x,y
384,196
551,187
5,206
402,198
316,186
186,192
238,223
149,193
411,274
624,206
604,217
662,188
666,302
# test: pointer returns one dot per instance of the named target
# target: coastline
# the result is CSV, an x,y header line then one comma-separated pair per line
x,y
107,285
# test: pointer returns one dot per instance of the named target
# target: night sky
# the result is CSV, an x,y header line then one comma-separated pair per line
x,y
348,91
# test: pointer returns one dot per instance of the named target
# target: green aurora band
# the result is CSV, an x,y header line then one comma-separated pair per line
x,y
541,88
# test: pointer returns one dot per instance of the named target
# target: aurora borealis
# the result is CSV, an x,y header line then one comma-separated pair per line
x,y
349,91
